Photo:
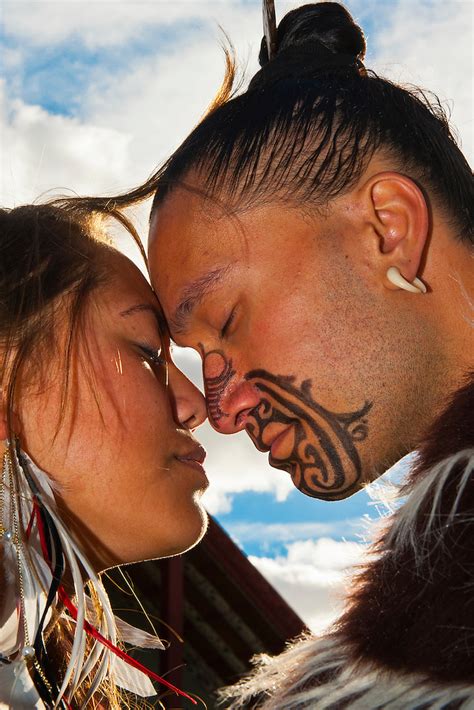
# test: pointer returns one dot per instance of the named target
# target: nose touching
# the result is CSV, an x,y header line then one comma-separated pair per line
x,y
229,397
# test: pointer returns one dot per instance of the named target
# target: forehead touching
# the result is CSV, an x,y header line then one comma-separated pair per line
x,y
194,247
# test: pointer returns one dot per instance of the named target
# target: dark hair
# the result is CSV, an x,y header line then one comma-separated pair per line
x,y
45,254
311,120
307,127
50,261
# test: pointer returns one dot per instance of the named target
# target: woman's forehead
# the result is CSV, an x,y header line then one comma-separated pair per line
x,y
126,284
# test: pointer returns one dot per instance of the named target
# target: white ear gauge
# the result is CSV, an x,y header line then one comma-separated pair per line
x,y
420,285
395,277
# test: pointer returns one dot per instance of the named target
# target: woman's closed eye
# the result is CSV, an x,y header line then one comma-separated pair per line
x,y
154,355
155,359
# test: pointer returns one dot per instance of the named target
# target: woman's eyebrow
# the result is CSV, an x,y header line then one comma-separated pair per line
x,y
192,294
140,307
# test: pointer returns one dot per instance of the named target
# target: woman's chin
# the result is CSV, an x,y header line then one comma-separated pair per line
x,y
179,540
188,536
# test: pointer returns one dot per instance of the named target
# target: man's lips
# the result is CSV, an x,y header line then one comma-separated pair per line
x,y
283,444
277,438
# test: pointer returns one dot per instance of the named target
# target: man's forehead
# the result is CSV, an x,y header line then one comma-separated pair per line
x,y
188,229
182,262
185,213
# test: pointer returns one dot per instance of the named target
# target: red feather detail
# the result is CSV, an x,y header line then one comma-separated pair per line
x,y
89,629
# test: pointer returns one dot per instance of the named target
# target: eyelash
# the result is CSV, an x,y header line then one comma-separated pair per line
x,y
227,324
153,356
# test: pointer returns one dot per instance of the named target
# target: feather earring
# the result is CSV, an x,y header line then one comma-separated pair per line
x,y
26,583
38,550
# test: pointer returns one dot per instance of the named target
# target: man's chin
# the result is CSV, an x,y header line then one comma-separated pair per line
x,y
311,490
282,465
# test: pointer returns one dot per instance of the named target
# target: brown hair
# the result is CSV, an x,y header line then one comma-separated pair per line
x,y
47,252
51,260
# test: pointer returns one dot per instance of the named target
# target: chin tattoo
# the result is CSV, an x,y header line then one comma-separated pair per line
x,y
324,461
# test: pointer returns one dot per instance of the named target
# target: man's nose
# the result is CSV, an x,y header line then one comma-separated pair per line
x,y
229,410
188,404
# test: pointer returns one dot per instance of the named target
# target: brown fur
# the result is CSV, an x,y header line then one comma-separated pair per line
x,y
414,613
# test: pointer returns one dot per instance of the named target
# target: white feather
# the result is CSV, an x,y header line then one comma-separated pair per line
x,y
37,577
17,691
132,679
137,637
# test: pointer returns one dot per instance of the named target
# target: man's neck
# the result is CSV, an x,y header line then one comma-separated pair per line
x,y
449,273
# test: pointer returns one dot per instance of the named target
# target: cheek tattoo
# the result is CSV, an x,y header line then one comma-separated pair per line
x,y
323,460
218,373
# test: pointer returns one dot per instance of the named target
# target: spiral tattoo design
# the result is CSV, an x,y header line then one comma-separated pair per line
x,y
215,384
324,461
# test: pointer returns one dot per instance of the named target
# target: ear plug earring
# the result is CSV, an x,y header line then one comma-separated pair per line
x,y
395,277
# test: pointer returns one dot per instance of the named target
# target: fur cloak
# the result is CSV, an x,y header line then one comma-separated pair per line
x,y
406,638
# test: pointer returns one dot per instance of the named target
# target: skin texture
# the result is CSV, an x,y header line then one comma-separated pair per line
x,y
122,454
304,340
318,448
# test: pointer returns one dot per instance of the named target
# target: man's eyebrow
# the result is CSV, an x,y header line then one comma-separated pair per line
x,y
140,307
192,294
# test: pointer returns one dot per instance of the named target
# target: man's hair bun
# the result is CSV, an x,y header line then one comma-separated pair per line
x,y
327,23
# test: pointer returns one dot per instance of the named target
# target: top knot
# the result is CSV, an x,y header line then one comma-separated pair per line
x,y
326,24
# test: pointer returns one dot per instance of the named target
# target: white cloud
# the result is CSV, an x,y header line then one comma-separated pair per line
x,y
267,534
157,102
313,576
96,23
235,466
45,152
112,23
11,58
325,554
430,44
216,499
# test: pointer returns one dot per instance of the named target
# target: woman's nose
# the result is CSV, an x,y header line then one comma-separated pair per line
x,y
188,404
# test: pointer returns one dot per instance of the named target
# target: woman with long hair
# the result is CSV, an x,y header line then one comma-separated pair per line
x,y
312,239
99,464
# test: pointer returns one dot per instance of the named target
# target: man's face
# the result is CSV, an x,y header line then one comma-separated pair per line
x,y
294,342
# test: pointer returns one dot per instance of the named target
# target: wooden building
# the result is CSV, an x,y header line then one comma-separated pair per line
x,y
218,603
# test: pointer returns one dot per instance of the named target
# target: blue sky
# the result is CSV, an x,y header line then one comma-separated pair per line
x,y
56,77
96,94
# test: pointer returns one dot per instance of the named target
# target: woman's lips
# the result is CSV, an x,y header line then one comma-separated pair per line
x,y
195,453
195,458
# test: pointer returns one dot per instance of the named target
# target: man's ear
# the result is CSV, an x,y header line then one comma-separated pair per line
x,y
399,215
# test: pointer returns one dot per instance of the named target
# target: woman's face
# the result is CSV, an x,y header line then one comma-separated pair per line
x,y
129,472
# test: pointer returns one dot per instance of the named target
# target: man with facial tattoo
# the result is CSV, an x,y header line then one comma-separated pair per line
x,y
312,239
